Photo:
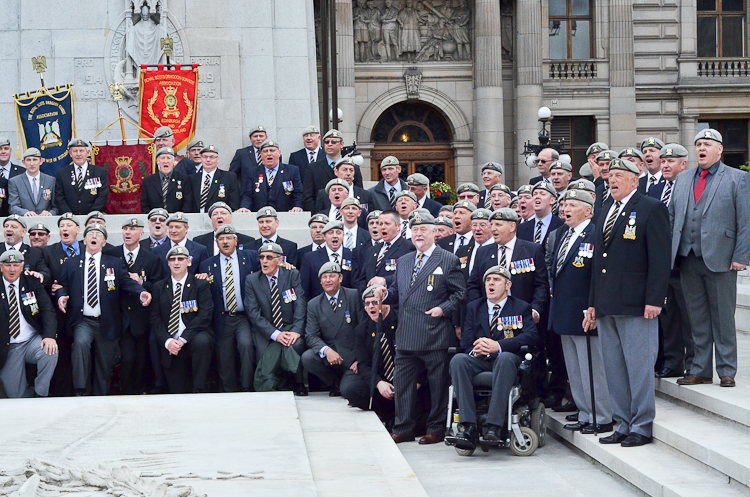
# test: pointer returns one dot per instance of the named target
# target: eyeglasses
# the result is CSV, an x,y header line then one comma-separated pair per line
x,y
158,219
542,161
267,257
370,303
332,142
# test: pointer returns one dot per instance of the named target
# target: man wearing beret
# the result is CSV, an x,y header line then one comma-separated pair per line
x,y
337,190
380,260
268,224
310,153
468,191
492,173
212,184
81,187
384,193
428,289
710,217
591,153
194,154
345,170
419,185
628,287
39,236
560,173
29,330
650,150
144,268
90,296
334,251
167,189
178,226
164,138
226,272
8,170
462,226
525,203
543,200
319,173
14,229
500,197
271,184
157,229
602,189
33,193
221,214
496,328
354,235
316,224
406,202
181,323
248,158
636,157
332,317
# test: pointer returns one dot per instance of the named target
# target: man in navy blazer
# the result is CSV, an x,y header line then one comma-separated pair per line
x,y
419,185
380,260
177,224
226,272
179,195
81,187
310,153
268,223
271,184
92,286
334,251
544,222
248,158
220,214
212,184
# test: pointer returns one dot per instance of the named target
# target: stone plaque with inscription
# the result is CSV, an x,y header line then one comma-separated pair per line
x,y
90,83
209,82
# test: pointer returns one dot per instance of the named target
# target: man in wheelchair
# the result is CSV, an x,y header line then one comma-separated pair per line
x,y
495,330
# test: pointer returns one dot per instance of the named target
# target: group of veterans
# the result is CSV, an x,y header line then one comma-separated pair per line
x,y
598,268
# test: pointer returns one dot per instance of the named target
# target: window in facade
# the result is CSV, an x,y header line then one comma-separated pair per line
x,y
578,133
721,28
570,29
734,134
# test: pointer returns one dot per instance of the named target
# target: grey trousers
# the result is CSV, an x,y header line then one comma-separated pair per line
x,y
711,300
86,333
320,367
677,334
629,346
409,365
13,374
504,369
577,364
236,335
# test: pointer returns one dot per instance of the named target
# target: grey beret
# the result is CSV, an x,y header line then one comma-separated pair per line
x,y
370,291
504,214
546,186
493,166
270,143
421,218
558,164
210,148
501,270
652,142
38,227
178,217
11,256
266,212
68,216
336,182
583,185
405,193
448,208
606,155
419,210
597,147
77,142
94,215
389,161
350,201
673,150
464,204
333,225
709,134
271,247
624,165
95,227
467,187
178,250
585,170
226,229
444,221
514,201
165,151
218,205
630,152
483,214
329,267
318,218
501,187
257,129
373,215
311,129
580,195
333,133
196,144
31,152
524,189
344,161
163,132
16,218
133,222
417,179
4,142
158,211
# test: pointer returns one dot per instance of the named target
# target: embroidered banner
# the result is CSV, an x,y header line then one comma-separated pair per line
x,y
127,166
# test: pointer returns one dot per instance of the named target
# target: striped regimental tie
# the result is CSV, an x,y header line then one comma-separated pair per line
x,y
275,304
164,189
563,250
538,232
204,192
386,352
92,294
417,268
174,313
14,324
229,287
667,194
611,222
503,260
495,320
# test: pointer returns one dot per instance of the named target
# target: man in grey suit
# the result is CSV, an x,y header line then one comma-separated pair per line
x,y
33,193
710,217
332,317
429,286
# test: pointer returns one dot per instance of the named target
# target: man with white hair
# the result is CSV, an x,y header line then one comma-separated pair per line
x,y
492,173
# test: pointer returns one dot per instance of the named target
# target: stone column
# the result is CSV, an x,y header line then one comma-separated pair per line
x,y
621,75
345,49
489,138
688,130
529,80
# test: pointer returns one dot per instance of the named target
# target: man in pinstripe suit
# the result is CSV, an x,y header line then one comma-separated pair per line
x,y
428,287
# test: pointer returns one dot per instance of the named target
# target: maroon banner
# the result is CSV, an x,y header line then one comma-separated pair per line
x,y
127,166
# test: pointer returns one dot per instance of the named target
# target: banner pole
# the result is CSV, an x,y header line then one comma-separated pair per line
x,y
122,122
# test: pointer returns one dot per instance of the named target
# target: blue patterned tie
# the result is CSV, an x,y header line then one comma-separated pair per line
x,y
417,267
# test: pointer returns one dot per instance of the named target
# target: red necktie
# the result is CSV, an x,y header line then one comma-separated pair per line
x,y
700,185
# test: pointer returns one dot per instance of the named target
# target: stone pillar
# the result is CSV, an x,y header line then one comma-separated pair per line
x,y
688,130
489,139
621,75
602,129
529,80
345,49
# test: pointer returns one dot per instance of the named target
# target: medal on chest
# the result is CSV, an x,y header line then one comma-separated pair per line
x,y
430,282
29,299
630,228
109,278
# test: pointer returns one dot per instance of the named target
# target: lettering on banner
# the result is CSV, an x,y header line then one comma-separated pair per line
x,y
209,80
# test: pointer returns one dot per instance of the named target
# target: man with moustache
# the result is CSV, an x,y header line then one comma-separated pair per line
x,y
310,153
168,189
164,137
462,226
381,259
220,214
157,229
334,251
650,149
384,193
212,184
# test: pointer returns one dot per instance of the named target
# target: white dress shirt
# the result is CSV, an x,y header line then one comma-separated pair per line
x,y
657,177
457,241
474,252
340,253
269,240
27,331
623,203
576,233
203,181
87,309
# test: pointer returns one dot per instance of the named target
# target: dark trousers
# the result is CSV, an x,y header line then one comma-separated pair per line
x,y
356,389
160,380
134,353
236,336
319,366
188,370
85,334
409,365
552,379
62,379
675,333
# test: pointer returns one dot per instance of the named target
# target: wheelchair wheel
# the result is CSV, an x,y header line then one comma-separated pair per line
x,y
465,452
538,423
532,442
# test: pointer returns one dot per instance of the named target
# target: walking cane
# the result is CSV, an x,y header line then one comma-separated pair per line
x,y
376,351
591,377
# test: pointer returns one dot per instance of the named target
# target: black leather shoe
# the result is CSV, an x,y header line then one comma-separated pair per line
x,y
572,417
334,392
493,433
614,438
301,390
636,440
669,373
80,392
600,428
576,426
550,402
569,406
469,438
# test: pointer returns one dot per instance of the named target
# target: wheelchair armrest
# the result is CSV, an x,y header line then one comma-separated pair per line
x,y
453,350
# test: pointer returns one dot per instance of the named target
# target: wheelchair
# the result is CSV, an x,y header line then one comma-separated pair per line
x,y
524,430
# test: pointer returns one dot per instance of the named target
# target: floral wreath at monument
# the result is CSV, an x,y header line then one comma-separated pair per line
x,y
443,193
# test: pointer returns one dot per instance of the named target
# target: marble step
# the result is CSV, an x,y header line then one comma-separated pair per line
x,y
656,469
742,311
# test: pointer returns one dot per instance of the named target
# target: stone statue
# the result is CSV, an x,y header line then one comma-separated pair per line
x,y
408,21
389,30
506,24
459,29
361,14
373,29
142,37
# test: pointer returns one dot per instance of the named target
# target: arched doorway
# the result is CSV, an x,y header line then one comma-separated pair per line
x,y
418,135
